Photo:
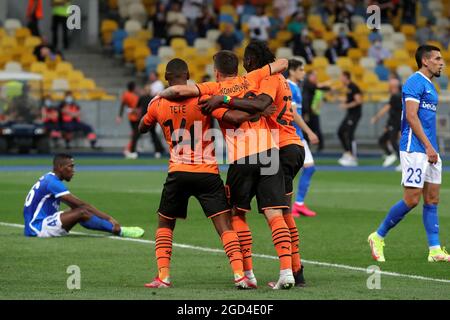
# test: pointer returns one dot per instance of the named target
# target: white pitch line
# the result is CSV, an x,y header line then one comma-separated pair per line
x,y
265,256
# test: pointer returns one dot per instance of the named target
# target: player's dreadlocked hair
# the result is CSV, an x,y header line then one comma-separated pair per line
x,y
259,54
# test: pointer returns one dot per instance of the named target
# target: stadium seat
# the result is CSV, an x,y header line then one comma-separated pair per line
x,y
333,71
11,25
140,55
63,69
370,78
320,46
154,45
408,30
143,35
411,46
151,64
132,27
400,54
338,26
392,64
178,45
368,63
166,53
357,71
8,43
27,60
382,72
129,45
38,67
399,38
357,20
202,45
344,63
13,66
137,12
386,31
283,36
355,54
59,87
320,63
390,45
404,71
284,52
118,38
32,42
22,34
361,29
212,35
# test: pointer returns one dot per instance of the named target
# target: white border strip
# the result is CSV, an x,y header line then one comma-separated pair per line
x,y
187,246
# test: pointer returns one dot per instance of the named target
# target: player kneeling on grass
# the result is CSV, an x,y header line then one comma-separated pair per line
x,y
41,212
193,171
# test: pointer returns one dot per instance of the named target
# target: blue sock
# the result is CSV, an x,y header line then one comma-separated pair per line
x,y
431,223
394,216
303,184
96,223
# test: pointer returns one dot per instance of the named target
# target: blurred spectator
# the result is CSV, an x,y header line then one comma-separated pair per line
x,y
59,21
130,100
34,14
176,22
352,104
443,36
50,117
344,12
328,12
246,8
142,104
332,52
192,9
259,25
425,33
276,23
309,88
22,108
286,8
155,84
159,21
44,51
71,122
345,42
409,11
303,47
206,21
375,35
297,24
379,53
228,39
206,78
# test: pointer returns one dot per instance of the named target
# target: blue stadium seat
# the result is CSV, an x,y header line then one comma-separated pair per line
x,y
382,72
442,81
240,35
117,40
226,18
151,64
190,37
154,45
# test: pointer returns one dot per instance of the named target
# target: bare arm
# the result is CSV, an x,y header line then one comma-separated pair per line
x,y
236,117
380,113
250,105
305,128
412,108
144,128
75,202
179,91
278,66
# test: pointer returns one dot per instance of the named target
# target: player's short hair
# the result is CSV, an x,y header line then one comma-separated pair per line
x,y
60,158
259,53
347,75
294,64
131,86
424,50
177,68
226,62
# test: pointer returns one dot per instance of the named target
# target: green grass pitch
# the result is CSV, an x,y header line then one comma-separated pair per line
x,y
350,205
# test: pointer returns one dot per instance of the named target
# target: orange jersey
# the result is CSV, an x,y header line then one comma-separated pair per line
x,y
251,137
278,89
186,131
130,99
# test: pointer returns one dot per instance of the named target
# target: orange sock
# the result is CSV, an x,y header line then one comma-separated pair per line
x,y
230,241
295,242
281,238
163,250
245,239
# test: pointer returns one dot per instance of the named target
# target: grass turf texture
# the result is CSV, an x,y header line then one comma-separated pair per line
x,y
350,205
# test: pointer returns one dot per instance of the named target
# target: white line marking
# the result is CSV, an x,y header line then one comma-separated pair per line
x,y
265,256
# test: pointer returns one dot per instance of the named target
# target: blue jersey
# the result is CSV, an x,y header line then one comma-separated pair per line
x,y
296,103
42,201
420,89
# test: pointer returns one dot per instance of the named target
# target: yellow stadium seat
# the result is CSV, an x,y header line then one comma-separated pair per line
x,y
7,43
4,59
354,54
17,52
143,36
357,71
38,67
63,69
32,42
320,62
109,26
322,76
436,44
283,36
313,20
361,29
228,9
344,63
178,45
401,54
52,63
21,35
129,45
392,64
411,46
408,30
370,78
27,60
140,54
